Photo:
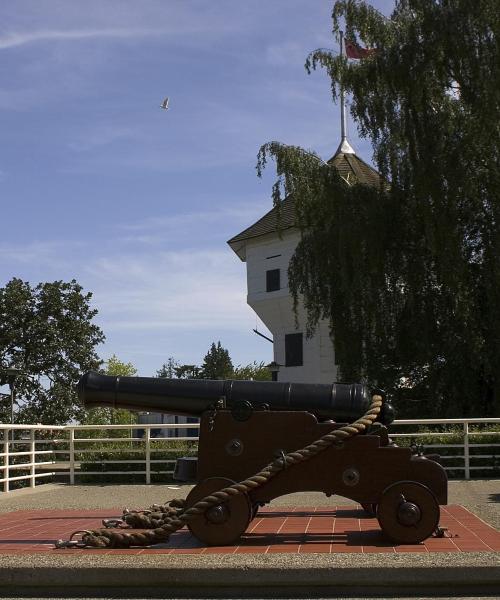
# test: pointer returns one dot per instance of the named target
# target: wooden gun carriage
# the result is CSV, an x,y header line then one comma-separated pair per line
x,y
245,425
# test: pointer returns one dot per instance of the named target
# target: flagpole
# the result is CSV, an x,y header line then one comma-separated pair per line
x,y
343,128
344,145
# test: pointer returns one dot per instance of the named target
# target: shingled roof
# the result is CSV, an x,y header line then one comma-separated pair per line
x,y
349,166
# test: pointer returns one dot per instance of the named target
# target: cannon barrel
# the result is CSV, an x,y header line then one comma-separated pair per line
x,y
192,397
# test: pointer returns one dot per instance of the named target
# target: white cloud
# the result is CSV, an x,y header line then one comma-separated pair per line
x,y
203,289
235,215
52,254
11,40
167,289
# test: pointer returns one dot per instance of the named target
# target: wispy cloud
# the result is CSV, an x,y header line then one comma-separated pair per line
x,y
53,254
11,40
232,214
170,289
180,290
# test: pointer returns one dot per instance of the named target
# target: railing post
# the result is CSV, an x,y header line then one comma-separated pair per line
x,y
466,451
72,456
6,436
32,458
148,455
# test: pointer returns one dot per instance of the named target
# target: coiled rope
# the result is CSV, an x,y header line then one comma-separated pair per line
x,y
167,519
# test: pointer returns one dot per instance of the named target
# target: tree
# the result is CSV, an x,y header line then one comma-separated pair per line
x,y
188,372
113,416
256,371
217,363
48,333
408,274
168,369
117,368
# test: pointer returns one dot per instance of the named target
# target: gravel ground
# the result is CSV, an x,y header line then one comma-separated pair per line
x,y
482,497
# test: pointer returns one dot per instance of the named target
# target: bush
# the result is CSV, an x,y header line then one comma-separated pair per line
x,y
121,457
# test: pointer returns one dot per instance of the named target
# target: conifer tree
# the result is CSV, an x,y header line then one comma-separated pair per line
x,y
217,363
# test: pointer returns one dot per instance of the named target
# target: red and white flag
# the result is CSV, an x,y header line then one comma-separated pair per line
x,y
353,50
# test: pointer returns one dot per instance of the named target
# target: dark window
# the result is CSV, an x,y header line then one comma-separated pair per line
x,y
293,350
272,280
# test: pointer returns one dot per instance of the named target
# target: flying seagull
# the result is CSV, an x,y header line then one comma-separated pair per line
x,y
164,104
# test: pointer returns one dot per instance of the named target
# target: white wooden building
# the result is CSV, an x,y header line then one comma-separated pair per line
x,y
267,253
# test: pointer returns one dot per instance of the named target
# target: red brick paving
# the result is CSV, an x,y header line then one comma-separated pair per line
x,y
276,529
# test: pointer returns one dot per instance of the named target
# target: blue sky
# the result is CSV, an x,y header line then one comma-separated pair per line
x,y
97,183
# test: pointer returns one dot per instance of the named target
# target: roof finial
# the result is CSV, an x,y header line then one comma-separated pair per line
x,y
344,145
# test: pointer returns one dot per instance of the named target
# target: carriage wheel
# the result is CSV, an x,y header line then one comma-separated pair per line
x,y
221,524
408,512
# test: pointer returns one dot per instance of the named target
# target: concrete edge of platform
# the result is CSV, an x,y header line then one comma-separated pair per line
x,y
267,575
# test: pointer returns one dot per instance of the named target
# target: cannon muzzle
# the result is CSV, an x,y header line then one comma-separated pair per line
x,y
192,397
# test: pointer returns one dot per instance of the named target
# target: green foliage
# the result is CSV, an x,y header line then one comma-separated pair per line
x,y
121,459
47,332
256,371
117,368
113,416
188,372
217,363
408,274
168,369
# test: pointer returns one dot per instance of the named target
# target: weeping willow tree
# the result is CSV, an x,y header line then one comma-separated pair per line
x,y
408,273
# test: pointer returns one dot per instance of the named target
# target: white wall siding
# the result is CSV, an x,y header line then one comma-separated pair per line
x,y
275,309
266,253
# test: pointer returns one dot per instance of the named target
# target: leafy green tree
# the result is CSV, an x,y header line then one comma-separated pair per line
x,y
117,368
217,363
188,372
48,333
113,416
256,371
409,273
169,369
173,369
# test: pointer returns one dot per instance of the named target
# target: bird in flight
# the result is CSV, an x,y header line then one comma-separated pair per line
x,y
164,104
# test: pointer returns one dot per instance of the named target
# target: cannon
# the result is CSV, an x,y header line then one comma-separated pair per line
x,y
246,425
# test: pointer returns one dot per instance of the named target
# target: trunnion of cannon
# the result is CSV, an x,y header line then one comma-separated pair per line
x,y
247,425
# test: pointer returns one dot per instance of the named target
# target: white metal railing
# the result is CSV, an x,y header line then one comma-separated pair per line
x,y
21,441
32,453
467,435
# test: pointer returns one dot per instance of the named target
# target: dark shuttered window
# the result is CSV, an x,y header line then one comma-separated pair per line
x,y
293,350
272,280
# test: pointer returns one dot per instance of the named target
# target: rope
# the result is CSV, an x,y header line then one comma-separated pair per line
x,y
167,519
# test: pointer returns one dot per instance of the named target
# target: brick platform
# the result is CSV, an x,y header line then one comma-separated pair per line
x,y
275,530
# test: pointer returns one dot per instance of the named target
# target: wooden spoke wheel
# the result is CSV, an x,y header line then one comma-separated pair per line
x,y
408,512
221,524
369,508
